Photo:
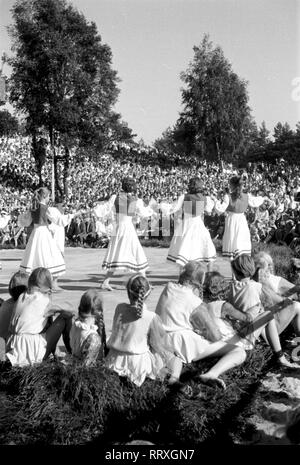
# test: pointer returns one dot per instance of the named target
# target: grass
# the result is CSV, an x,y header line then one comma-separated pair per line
x,y
53,403
57,404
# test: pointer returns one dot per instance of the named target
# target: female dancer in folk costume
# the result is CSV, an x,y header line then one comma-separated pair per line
x,y
4,219
191,240
42,250
59,221
236,238
125,251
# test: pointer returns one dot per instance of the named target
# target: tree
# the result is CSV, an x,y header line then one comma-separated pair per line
x,y
216,117
282,132
9,124
62,78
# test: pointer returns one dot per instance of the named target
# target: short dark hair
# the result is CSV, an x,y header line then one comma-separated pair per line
x,y
18,284
129,185
195,185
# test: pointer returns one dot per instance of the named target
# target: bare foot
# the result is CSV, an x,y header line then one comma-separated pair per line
x,y
207,379
285,363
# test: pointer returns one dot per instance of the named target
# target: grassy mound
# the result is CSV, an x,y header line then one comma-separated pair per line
x,y
57,404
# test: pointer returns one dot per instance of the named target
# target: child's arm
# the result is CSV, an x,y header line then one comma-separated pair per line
x,y
229,310
53,310
202,320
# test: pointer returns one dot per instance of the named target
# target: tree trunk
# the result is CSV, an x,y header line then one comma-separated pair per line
x,y
56,182
66,171
219,155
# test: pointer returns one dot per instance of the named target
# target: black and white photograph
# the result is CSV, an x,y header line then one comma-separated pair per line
x,y
150,226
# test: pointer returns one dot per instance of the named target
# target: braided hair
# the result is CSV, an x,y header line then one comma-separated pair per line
x,y
91,304
138,288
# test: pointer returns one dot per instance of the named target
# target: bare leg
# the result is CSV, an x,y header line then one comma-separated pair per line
x,y
231,356
273,339
105,284
290,314
175,368
61,326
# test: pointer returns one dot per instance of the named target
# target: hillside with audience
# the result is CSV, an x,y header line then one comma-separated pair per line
x,y
160,176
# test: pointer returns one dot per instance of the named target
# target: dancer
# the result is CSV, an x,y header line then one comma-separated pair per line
x,y
59,221
236,238
125,251
4,220
191,240
42,250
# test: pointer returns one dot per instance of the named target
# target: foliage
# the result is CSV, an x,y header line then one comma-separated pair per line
x,y
62,78
216,117
286,144
9,124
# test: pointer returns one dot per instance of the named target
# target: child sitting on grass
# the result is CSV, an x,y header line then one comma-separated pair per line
x,y
179,306
87,335
17,285
235,326
248,295
278,288
136,345
31,338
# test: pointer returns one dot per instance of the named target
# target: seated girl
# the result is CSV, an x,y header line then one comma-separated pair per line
x,y
248,295
279,288
179,304
87,335
136,345
31,338
17,285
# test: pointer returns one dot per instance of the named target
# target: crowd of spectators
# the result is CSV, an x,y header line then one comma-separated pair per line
x,y
159,176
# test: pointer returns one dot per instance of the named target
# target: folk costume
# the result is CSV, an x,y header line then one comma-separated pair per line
x,y
42,249
125,251
236,238
191,240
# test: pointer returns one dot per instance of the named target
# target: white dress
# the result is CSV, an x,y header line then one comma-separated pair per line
x,y
42,250
57,226
79,333
129,352
191,240
175,307
26,344
237,239
228,333
124,250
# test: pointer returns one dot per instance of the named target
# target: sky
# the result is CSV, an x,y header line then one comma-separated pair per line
x,y
152,43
